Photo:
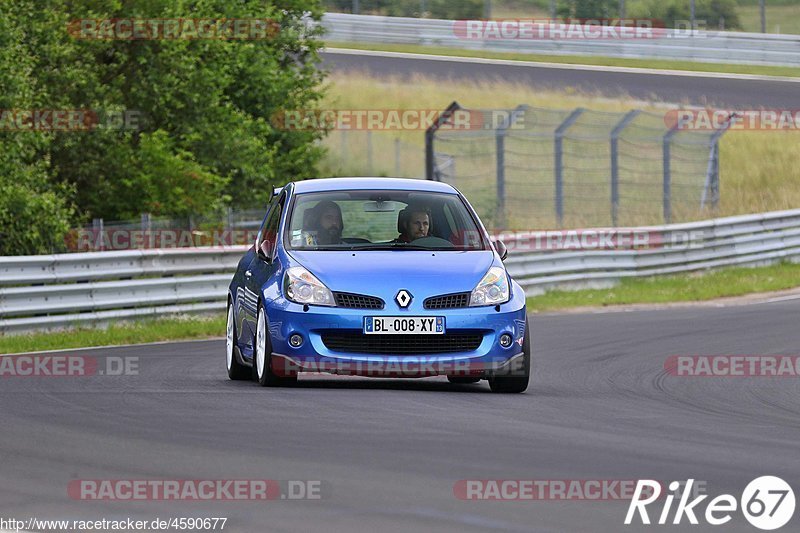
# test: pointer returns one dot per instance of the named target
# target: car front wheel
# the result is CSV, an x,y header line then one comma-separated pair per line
x,y
262,363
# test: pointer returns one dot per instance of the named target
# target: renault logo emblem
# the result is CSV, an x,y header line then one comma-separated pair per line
x,y
403,298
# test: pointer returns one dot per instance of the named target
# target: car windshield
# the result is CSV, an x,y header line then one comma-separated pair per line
x,y
382,220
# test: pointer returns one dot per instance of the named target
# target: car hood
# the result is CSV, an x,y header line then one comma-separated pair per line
x,y
383,273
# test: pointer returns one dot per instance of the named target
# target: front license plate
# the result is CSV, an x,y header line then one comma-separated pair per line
x,y
393,325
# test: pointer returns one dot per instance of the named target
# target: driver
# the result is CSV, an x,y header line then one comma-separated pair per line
x,y
329,222
414,223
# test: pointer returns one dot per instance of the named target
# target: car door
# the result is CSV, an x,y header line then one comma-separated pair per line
x,y
244,299
263,265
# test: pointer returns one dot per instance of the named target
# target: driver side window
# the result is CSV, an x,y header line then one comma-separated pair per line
x,y
269,235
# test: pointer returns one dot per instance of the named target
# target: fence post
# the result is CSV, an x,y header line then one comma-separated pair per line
x,y
369,152
430,133
397,156
500,170
343,137
500,159
146,229
711,187
615,133
97,232
667,186
715,177
559,156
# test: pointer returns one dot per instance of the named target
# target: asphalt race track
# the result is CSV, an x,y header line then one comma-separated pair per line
x,y
388,452
693,88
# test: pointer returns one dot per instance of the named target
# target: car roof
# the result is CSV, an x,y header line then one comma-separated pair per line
x,y
366,183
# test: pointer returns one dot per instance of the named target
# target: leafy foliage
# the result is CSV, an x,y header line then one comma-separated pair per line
x,y
196,132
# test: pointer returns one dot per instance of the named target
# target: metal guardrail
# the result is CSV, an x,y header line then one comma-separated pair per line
x,y
749,240
683,45
57,291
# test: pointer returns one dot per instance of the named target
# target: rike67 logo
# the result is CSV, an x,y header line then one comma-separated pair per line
x,y
767,503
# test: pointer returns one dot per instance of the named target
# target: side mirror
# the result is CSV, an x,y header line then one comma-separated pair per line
x,y
501,249
264,251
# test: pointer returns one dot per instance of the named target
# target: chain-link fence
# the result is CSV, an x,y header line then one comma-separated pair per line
x,y
232,228
529,167
373,153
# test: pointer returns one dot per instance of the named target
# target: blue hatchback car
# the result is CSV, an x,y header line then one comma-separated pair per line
x,y
376,277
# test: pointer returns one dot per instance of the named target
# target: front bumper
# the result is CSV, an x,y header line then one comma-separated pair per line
x,y
487,359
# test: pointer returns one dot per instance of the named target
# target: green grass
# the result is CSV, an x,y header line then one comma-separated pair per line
x,y
151,330
780,19
579,60
736,281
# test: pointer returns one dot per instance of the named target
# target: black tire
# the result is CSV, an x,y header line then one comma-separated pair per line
x,y
262,367
516,384
462,380
236,370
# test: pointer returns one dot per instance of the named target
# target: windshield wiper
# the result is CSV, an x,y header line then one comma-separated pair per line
x,y
390,246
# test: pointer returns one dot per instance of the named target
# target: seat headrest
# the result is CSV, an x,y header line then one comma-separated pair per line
x,y
310,219
402,219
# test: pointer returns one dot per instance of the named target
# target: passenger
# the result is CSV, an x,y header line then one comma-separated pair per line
x,y
329,224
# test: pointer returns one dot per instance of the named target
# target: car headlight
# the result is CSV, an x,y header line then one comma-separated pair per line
x,y
301,286
492,290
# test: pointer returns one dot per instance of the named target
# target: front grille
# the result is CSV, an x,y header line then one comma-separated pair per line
x,y
357,301
448,301
356,342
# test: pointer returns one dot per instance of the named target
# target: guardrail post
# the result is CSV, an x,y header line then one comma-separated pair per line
x,y
559,166
430,161
615,133
667,185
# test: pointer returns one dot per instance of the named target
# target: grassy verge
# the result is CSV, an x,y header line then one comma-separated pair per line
x,y
735,281
780,19
167,329
579,60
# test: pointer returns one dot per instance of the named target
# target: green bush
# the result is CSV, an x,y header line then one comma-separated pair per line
x,y
31,222
203,136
